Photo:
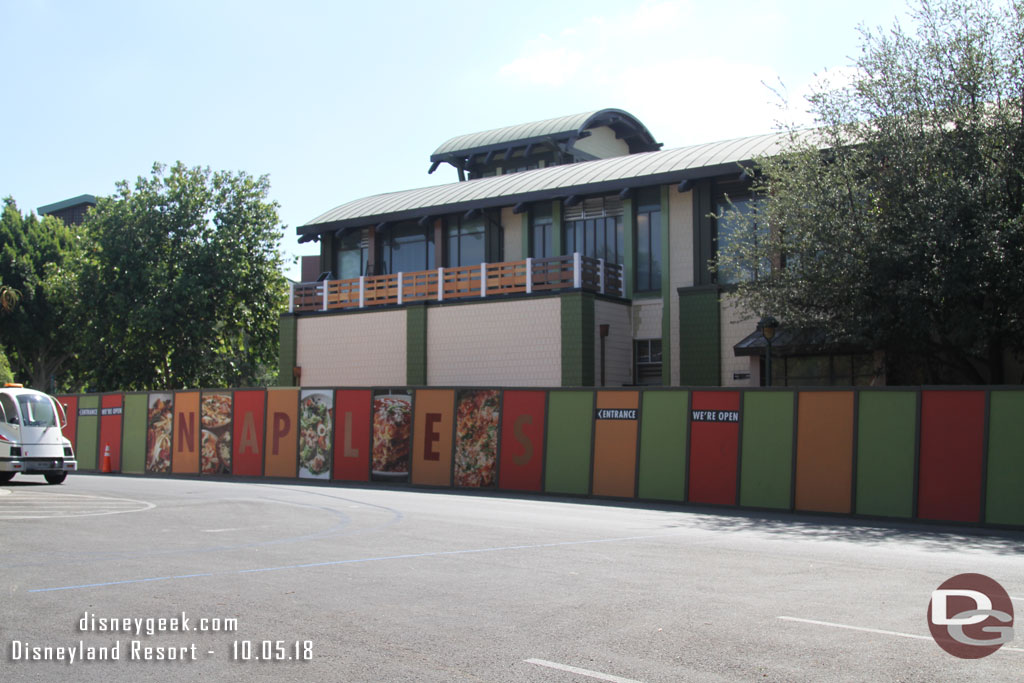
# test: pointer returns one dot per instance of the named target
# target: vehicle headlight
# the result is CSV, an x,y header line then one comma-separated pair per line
x,y
68,453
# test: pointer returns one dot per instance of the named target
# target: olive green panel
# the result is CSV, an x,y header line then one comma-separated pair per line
x,y
628,247
556,227
666,291
88,433
700,337
766,452
1004,498
133,443
416,345
288,337
663,439
577,339
886,434
569,442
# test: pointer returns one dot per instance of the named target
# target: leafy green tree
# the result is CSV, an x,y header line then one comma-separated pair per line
x,y
182,282
898,223
36,255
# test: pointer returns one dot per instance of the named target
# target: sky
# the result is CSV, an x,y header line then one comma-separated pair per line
x,y
335,101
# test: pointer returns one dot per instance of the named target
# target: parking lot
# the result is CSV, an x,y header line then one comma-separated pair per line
x,y
163,579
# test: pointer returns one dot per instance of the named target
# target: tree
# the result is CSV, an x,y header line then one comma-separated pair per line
x,y
183,282
35,257
897,224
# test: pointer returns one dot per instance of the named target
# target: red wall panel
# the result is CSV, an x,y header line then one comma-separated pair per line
x,y
248,432
714,447
952,439
521,466
352,422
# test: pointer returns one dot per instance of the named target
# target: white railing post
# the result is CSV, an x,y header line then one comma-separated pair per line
x,y
577,270
600,275
529,276
483,280
440,284
400,278
291,298
362,291
323,283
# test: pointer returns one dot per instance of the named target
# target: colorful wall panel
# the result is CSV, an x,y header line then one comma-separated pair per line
x,y
663,429
886,448
282,433
950,469
133,443
766,458
432,437
616,428
111,414
714,447
217,414
569,438
70,430
352,434
159,432
477,416
247,432
316,433
187,433
824,451
522,440
1004,499
88,432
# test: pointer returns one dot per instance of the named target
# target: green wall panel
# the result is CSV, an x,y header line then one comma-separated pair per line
x,y
416,345
663,439
766,450
886,428
568,447
699,337
88,434
577,339
288,337
133,443
1004,502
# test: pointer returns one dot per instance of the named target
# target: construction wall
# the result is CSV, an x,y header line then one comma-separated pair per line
x,y
950,455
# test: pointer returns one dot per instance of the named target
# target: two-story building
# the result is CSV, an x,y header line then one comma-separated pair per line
x,y
569,252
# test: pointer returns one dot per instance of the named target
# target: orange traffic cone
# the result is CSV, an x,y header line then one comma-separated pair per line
x,y
105,463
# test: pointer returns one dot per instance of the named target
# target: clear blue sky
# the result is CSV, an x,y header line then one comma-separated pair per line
x,y
340,100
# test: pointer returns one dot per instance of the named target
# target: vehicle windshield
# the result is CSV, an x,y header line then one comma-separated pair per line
x,y
36,411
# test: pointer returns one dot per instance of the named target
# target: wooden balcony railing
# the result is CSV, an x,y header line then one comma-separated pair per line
x,y
462,282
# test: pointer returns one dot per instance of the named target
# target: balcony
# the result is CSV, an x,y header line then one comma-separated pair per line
x,y
532,276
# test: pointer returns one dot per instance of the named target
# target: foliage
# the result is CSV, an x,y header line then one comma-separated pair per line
x,y
900,219
36,255
183,282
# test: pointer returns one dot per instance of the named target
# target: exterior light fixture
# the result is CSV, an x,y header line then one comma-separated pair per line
x,y
768,326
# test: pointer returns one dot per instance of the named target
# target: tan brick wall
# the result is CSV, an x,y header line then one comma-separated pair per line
x,y
736,324
508,343
352,349
618,344
647,318
680,221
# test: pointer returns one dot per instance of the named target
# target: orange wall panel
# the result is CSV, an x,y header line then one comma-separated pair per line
x,y
432,437
615,432
281,445
187,433
824,451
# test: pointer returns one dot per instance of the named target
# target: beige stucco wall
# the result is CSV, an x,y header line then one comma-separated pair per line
x,y
352,349
647,318
680,235
736,323
618,344
512,227
509,343
602,143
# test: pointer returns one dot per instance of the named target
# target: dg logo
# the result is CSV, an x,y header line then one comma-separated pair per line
x,y
970,616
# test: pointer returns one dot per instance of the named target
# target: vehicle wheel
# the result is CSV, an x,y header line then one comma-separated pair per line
x,y
56,477
6,477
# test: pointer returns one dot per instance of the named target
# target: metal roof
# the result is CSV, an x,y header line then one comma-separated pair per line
x,y
525,133
67,203
603,175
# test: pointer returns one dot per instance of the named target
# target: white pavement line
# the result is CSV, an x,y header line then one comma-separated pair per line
x,y
1017,599
874,630
581,672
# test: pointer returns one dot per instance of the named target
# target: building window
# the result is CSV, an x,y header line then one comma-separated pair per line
x,y
829,370
728,231
648,241
407,247
648,361
465,242
594,228
351,255
542,236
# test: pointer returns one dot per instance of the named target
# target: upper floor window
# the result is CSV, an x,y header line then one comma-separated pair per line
x,y
594,228
465,242
407,247
648,241
351,255
542,237
733,225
